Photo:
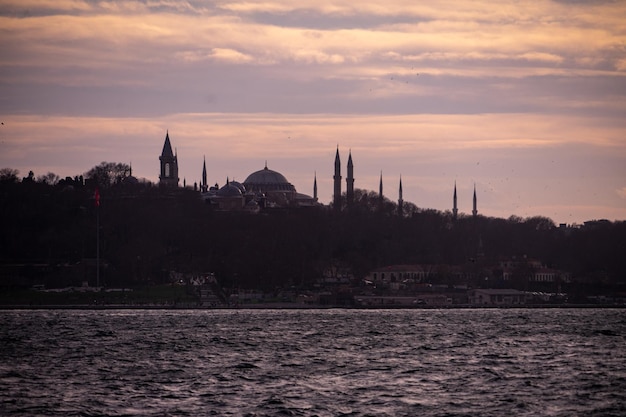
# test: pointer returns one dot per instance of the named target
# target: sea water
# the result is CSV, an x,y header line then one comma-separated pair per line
x,y
466,362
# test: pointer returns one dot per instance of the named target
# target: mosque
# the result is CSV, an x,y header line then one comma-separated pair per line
x,y
262,189
266,188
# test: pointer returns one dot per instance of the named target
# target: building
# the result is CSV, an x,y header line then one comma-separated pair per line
x,y
531,270
474,204
350,181
399,273
497,297
263,189
337,182
169,165
267,188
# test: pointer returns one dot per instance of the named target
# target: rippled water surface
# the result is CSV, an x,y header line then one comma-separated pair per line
x,y
313,362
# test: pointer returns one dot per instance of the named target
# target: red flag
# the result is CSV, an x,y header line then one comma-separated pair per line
x,y
96,196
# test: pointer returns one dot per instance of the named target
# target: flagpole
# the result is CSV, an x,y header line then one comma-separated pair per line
x,y
98,246
97,202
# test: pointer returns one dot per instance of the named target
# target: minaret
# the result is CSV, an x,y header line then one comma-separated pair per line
x,y
380,187
350,181
315,186
337,182
455,210
169,165
203,186
400,200
474,210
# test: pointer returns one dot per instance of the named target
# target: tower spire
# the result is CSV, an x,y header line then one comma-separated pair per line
x,y
169,165
315,186
337,182
400,200
203,186
350,180
475,209
455,209
380,187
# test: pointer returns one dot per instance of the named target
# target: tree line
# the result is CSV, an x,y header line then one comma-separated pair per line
x,y
49,237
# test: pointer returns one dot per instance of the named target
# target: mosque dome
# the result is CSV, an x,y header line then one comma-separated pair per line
x,y
267,180
229,190
239,185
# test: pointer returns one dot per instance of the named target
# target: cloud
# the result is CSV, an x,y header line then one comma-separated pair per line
x,y
156,30
621,192
412,87
216,54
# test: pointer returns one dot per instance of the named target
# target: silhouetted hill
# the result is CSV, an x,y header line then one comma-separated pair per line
x,y
49,237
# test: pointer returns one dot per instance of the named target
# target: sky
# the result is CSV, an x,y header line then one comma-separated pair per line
x,y
526,101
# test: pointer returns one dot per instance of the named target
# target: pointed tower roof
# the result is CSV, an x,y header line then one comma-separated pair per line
x,y
167,147
337,182
400,200
455,209
204,183
475,209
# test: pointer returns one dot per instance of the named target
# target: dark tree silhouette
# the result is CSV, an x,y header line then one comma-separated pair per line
x,y
49,235
107,174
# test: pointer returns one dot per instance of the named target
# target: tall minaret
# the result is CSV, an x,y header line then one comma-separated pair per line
x,y
455,209
474,210
380,187
169,165
337,182
350,181
203,186
400,200
315,186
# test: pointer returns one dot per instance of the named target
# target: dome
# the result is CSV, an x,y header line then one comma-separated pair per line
x,y
266,176
229,190
268,180
239,185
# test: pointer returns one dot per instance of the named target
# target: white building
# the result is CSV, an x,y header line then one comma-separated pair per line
x,y
495,297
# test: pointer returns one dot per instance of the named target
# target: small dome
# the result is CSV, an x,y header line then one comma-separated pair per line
x,y
239,185
131,180
229,190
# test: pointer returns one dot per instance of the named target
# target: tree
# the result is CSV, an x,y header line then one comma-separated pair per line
x,y
30,177
540,223
108,173
8,175
50,178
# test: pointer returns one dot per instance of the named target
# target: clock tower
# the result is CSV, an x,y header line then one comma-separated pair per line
x,y
169,165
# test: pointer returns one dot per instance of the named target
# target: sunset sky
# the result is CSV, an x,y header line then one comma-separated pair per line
x,y
524,100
